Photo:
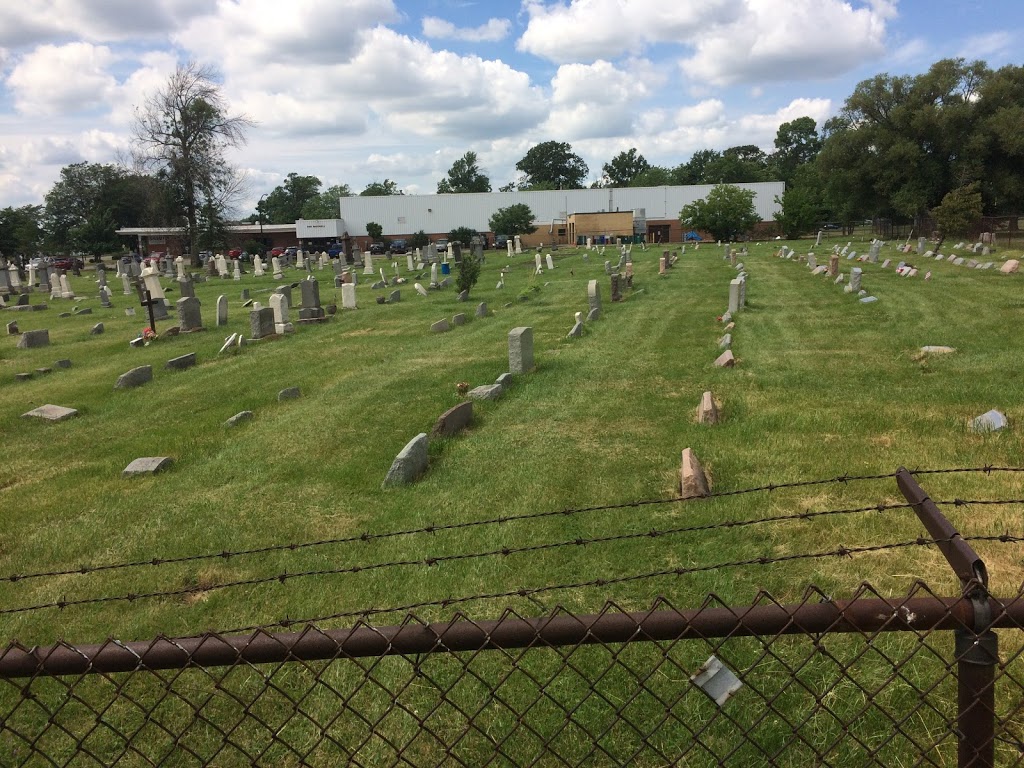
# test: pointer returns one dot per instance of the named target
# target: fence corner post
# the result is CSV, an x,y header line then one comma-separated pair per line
x,y
977,656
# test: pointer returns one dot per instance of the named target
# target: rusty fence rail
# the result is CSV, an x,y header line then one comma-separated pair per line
x,y
870,680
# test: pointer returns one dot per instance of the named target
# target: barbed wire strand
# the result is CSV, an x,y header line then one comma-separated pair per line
x,y
368,537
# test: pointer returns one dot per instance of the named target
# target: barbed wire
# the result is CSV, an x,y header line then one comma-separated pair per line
x,y
441,559
533,591
369,537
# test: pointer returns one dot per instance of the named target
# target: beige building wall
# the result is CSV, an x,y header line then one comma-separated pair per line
x,y
610,224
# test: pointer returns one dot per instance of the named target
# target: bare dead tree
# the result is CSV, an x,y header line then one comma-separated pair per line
x,y
184,130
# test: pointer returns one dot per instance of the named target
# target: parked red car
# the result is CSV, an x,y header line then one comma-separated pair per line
x,y
235,253
278,251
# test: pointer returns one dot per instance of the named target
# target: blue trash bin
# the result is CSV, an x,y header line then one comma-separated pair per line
x,y
446,269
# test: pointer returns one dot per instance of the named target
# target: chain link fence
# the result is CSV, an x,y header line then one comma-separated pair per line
x,y
919,679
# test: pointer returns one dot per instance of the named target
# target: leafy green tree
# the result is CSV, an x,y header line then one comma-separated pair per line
x,y
185,130
801,206
374,230
514,220
78,206
286,202
622,169
463,235
381,189
419,240
21,230
552,165
325,204
960,211
726,211
468,273
654,176
510,187
464,176
212,233
796,143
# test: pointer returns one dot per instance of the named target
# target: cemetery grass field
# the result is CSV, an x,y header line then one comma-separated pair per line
x,y
823,386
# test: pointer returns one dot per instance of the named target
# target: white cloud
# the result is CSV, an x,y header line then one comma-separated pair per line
x,y
26,24
586,30
985,46
61,79
593,101
493,31
776,40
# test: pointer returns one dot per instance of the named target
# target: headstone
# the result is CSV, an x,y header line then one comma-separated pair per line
x,y
812,262
348,296
725,360
486,392
12,328
311,309
833,265
51,412
148,465
97,329
34,339
257,270
539,268
734,295
520,350
136,377
992,421
662,265
594,294
239,418
289,393
190,317
368,263
279,304
693,483
725,342
868,300
616,289
459,319
238,269
261,323
550,262
707,411
394,297
855,278
481,309
65,288
433,275
454,420
275,265
440,326
409,464
1010,266
181,363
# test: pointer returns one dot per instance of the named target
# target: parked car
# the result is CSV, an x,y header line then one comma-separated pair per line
x,y
335,250
377,248
235,253
68,262
291,250
500,242
278,251
441,245
830,225
399,246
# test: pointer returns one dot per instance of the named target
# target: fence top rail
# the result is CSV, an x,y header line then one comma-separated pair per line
x,y
867,613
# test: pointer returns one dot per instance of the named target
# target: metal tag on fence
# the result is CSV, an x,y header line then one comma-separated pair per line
x,y
716,680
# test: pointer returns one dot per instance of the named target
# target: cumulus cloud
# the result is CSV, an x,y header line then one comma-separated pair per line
x,y
249,35
62,79
491,32
776,40
587,30
25,25
593,101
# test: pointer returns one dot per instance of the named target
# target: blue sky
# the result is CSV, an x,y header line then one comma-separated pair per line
x,y
363,90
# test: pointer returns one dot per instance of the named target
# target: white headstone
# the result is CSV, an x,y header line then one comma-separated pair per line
x,y
519,244
65,288
279,303
348,296
551,263
179,264
257,267
367,263
275,264
238,269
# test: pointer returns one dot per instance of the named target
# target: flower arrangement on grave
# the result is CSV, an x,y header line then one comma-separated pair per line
x,y
462,388
148,335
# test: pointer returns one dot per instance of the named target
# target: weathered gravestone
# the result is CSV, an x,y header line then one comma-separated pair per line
x,y
520,350
190,317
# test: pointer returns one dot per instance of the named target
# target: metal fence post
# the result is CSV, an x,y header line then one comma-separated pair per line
x,y
977,647
977,656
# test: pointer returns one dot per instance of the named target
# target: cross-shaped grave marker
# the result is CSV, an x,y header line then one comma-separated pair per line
x,y
146,300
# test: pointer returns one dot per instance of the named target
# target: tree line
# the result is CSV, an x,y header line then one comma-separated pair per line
x,y
946,144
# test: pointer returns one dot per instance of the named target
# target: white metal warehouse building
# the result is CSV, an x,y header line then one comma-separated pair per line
x,y
403,215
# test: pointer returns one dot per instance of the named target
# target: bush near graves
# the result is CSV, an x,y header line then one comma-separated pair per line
x,y
462,235
959,212
374,230
468,273
511,221
419,240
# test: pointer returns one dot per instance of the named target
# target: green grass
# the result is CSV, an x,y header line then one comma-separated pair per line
x,y
823,386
